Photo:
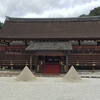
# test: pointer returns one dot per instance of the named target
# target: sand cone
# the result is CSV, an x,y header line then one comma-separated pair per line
x,y
72,76
26,75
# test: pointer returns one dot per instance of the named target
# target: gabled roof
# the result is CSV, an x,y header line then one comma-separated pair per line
x,y
49,46
51,28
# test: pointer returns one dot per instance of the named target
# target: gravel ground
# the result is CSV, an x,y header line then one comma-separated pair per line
x,y
49,88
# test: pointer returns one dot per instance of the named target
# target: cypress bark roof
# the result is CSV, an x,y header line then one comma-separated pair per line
x,y
50,46
51,28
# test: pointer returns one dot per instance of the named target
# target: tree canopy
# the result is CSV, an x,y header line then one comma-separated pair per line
x,y
83,15
94,12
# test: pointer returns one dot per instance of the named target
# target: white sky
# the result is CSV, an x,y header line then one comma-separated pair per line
x,y
46,8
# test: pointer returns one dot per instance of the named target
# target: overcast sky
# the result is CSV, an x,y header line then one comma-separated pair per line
x,y
46,8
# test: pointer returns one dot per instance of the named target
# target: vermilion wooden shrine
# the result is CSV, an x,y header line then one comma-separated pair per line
x,y
50,45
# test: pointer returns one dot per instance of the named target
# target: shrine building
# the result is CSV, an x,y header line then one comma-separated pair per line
x,y
50,45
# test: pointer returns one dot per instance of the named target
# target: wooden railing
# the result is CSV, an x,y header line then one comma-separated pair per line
x,y
10,54
84,60
13,49
86,49
16,63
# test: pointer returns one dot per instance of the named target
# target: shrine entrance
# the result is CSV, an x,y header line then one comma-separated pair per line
x,y
50,65
49,58
50,62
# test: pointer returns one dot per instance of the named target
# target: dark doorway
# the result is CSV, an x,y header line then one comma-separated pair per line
x,y
52,59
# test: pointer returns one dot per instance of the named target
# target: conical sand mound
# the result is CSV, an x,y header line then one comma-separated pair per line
x,y
26,75
72,76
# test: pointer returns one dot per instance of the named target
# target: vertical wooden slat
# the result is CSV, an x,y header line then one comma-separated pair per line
x,y
31,62
67,65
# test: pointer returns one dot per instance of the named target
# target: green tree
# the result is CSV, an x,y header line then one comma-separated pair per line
x,y
95,12
83,15
1,24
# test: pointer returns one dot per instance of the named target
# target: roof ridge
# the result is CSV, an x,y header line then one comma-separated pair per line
x,y
90,18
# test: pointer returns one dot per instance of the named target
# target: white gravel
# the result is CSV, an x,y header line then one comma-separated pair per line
x,y
49,89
